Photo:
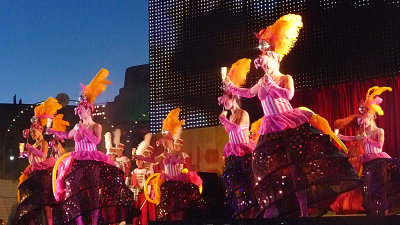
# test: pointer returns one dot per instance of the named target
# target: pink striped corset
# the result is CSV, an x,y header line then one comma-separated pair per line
x,y
273,106
172,171
369,149
239,136
82,145
34,159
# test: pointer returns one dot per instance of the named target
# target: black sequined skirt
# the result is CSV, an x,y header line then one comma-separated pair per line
x,y
238,183
177,196
95,185
300,159
35,192
381,185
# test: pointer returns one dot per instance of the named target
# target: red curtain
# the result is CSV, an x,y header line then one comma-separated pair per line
x,y
338,101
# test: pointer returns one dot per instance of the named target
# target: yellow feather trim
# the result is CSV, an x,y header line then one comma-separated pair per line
x,y
97,85
322,124
254,129
22,178
55,168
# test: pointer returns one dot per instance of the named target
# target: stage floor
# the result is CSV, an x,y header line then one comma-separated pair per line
x,y
353,219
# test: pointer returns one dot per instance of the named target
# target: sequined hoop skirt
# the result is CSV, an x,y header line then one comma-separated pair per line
x,y
238,184
35,192
179,196
298,159
92,185
382,185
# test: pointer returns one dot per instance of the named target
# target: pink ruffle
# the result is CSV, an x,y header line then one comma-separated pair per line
x,y
48,163
66,165
371,156
239,149
282,121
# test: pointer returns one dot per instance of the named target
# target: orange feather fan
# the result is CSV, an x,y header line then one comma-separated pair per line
x,y
239,71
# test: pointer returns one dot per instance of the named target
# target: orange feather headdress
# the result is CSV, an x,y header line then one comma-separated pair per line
x,y
172,126
48,110
371,107
282,35
93,90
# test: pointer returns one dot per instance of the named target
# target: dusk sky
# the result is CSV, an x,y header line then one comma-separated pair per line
x,y
51,46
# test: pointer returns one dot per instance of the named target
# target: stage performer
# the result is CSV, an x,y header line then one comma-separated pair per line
x,y
293,161
381,173
178,147
35,193
139,176
88,180
179,195
237,176
124,162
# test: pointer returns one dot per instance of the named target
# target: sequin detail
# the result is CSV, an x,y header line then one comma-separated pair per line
x,y
238,184
95,185
179,196
36,193
297,159
382,185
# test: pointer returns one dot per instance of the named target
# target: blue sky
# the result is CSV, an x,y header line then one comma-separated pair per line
x,y
50,46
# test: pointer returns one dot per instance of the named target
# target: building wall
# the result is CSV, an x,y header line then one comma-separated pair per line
x,y
8,197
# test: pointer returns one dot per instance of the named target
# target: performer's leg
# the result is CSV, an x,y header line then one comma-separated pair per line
x,y
79,221
49,215
143,204
95,216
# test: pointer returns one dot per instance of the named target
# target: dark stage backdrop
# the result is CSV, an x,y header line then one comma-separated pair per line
x,y
342,41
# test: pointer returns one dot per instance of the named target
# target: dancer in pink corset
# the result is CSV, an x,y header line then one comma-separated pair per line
x,y
178,190
35,191
88,180
237,176
381,173
295,165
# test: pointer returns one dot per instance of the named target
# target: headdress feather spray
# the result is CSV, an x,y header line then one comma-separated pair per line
x,y
96,86
239,71
172,125
144,144
282,35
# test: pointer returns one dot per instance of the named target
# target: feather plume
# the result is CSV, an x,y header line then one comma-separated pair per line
x,y
59,124
172,124
107,140
96,86
282,35
254,129
239,71
372,100
143,145
47,109
117,137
